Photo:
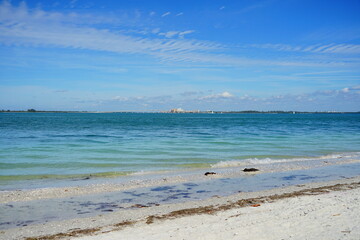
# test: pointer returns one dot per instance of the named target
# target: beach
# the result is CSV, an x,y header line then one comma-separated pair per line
x,y
330,215
317,210
186,176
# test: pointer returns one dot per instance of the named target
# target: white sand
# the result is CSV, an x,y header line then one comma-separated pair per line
x,y
334,215
294,215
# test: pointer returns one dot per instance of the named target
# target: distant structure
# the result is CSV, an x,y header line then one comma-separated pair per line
x,y
180,110
177,110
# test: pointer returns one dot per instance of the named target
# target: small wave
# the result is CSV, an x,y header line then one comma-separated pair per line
x,y
142,172
254,161
224,164
257,161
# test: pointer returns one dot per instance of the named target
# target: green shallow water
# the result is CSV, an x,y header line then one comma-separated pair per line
x,y
6,178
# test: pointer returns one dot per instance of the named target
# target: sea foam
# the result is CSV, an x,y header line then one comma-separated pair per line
x,y
257,161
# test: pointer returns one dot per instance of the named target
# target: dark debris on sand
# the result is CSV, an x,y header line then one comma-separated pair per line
x,y
250,170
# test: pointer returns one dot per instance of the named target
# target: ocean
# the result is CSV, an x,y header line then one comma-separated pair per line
x,y
35,146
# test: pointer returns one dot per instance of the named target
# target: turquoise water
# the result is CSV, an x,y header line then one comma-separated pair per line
x,y
66,145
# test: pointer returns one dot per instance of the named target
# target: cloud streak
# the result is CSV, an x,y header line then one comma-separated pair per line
x,y
166,14
179,34
318,48
21,26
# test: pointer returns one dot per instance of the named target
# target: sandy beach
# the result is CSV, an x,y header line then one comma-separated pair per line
x,y
332,215
321,210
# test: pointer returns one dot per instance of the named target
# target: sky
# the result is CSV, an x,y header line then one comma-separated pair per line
x,y
140,55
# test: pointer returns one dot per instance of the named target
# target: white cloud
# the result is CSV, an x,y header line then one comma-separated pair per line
x,y
345,90
170,34
179,14
351,89
222,95
180,34
166,14
120,99
225,95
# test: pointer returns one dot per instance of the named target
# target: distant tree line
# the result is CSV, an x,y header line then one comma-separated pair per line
x,y
29,110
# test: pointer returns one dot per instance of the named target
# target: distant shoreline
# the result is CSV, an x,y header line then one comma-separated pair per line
x,y
191,112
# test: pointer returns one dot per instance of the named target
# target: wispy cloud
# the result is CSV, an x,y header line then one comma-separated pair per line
x,y
169,34
317,48
166,14
22,26
183,33
37,28
180,34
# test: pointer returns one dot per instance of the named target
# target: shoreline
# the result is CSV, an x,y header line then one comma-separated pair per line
x,y
145,216
267,164
83,187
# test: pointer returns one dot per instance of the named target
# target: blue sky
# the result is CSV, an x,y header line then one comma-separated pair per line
x,y
156,55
